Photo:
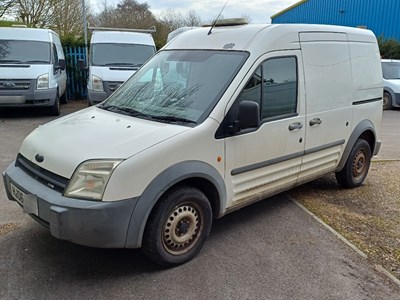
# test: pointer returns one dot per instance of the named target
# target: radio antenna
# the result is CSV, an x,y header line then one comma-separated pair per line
x,y
215,21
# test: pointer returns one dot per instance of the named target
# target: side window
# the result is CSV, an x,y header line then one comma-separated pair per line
x,y
55,55
252,90
279,87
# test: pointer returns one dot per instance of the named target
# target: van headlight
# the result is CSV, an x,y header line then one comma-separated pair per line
x,y
42,82
90,179
97,83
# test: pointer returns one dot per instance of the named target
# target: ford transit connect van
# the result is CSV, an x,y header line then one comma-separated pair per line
x,y
218,119
114,56
32,69
391,83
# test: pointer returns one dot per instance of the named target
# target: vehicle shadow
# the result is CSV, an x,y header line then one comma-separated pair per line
x,y
39,251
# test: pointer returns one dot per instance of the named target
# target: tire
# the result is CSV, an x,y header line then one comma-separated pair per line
x,y
357,165
387,101
64,98
177,227
54,110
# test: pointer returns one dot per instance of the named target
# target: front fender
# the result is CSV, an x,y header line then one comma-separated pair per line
x,y
164,181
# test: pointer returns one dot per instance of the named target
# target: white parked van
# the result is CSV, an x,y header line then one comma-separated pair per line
x,y
114,57
391,83
32,69
213,122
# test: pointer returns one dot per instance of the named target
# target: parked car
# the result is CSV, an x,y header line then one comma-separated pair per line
x,y
391,83
32,69
218,119
115,54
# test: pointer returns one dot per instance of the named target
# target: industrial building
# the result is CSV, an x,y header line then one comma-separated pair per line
x,y
380,16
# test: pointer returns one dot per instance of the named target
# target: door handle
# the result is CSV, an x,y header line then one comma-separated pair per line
x,y
295,126
315,121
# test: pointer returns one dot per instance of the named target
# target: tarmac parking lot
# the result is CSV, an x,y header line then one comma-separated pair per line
x,y
269,250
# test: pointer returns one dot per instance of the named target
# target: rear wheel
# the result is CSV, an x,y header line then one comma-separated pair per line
x,y
178,227
357,165
387,101
54,110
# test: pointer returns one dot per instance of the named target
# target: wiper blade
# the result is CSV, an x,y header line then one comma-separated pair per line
x,y
10,61
173,119
123,64
124,110
36,61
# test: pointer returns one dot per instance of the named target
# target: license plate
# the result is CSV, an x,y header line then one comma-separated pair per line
x,y
17,194
28,201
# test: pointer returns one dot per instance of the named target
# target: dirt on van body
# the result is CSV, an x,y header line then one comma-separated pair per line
x,y
368,216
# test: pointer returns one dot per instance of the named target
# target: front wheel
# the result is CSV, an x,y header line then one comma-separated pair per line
x,y
387,101
178,227
55,109
357,165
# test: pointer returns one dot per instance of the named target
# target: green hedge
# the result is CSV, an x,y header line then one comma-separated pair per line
x,y
389,48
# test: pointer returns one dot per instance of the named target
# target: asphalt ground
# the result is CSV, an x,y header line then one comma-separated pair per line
x,y
269,250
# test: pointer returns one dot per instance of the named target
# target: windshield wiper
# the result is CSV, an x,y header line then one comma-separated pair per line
x,y
10,61
173,119
123,64
36,61
125,110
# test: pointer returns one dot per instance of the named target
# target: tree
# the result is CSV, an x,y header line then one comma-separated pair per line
x,y
67,17
34,13
5,5
127,14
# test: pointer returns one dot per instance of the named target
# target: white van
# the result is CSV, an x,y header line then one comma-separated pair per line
x,y
391,83
212,123
114,56
32,69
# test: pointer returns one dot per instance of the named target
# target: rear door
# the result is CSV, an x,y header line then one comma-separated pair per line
x,y
329,93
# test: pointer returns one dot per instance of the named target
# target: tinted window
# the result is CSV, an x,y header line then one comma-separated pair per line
x,y
277,96
32,52
120,54
391,70
279,87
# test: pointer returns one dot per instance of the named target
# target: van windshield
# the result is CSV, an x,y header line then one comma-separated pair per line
x,y
17,51
391,70
130,55
180,87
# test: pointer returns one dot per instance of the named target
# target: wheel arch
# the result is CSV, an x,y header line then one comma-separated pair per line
x,y
190,173
364,130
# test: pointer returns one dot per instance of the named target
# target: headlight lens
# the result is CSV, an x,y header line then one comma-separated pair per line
x,y
97,83
90,179
43,82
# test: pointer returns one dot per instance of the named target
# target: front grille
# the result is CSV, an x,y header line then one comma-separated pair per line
x,y
113,85
15,84
49,179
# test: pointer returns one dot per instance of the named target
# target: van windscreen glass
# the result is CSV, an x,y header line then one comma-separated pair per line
x,y
129,55
180,86
391,70
24,52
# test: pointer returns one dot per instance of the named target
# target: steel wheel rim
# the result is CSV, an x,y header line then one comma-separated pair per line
x,y
359,165
385,101
182,229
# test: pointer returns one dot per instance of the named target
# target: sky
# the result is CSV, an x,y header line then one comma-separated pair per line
x,y
259,11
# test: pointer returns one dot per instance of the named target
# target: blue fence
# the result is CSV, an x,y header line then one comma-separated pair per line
x,y
77,79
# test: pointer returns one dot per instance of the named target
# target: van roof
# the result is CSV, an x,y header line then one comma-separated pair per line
x,y
253,37
26,34
122,37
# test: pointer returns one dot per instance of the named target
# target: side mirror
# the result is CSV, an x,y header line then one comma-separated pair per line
x,y
249,115
61,63
81,65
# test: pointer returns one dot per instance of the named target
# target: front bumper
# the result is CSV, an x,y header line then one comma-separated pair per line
x,y
89,223
96,97
27,98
